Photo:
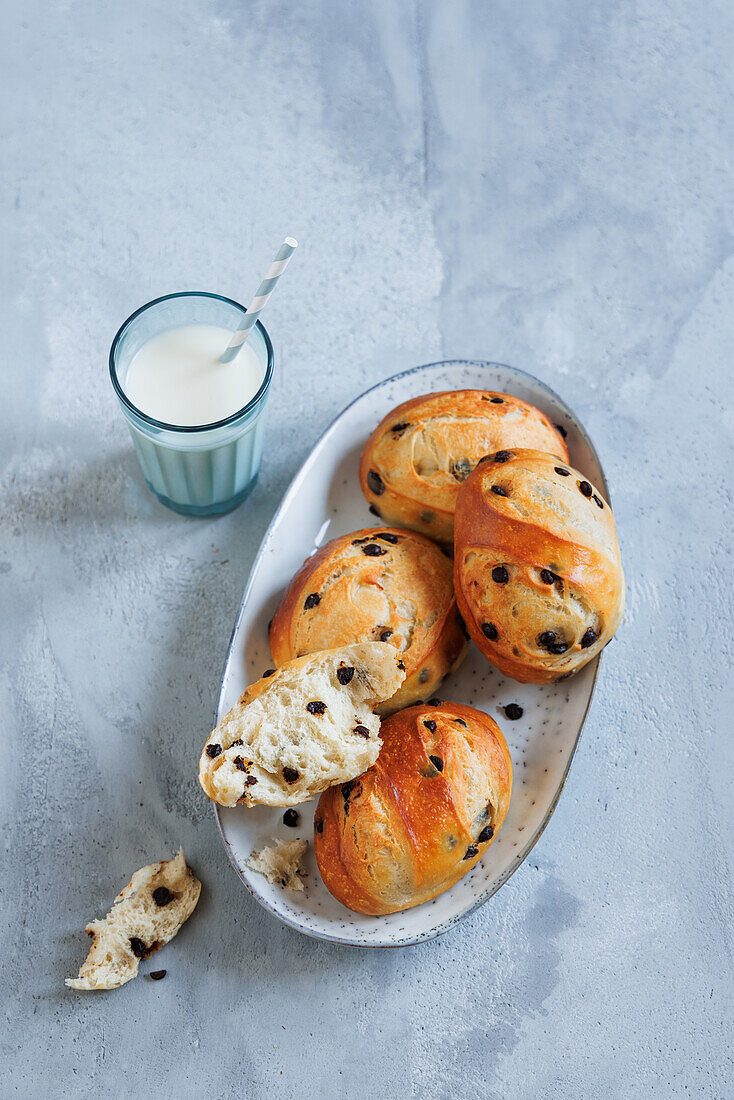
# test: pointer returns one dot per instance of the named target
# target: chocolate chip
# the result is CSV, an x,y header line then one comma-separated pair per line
x,y
358,542
471,851
291,819
156,975
433,702
558,647
461,469
362,731
268,672
372,550
483,459
430,725
316,707
548,577
503,456
375,511
318,825
399,428
162,896
344,676
562,430
239,741
461,723
489,630
588,639
387,537
290,775
500,575
352,787
437,762
585,488
486,834
401,666
497,400
213,751
138,948
312,601
513,712
561,471
385,635
375,482
250,781
547,638
598,501
499,491
239,764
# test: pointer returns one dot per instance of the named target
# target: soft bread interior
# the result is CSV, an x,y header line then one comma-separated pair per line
x,y
305,728
146,915
280,862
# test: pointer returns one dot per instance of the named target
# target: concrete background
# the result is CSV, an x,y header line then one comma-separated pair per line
x,y
547,184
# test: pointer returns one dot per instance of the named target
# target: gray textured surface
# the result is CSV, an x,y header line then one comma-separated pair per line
x,y
546,184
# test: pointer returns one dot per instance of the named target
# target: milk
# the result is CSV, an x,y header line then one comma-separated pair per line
x,y
176,377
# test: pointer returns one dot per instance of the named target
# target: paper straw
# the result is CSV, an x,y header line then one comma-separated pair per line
x,y
266,288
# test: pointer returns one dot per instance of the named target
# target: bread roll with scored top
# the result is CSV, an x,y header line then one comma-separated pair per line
x,y
381,584
418,457
422,816
537,570
309,724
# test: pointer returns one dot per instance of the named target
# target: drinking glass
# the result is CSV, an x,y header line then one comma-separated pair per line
x,y
208,469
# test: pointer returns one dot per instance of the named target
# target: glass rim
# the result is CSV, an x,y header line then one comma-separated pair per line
x,y
189,429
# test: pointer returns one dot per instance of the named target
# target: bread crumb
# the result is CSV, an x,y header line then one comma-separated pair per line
x,y
281,862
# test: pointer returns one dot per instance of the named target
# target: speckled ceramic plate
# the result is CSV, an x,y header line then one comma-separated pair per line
x,y
323,501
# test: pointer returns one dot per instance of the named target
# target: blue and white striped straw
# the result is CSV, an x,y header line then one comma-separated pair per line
x,y
266,288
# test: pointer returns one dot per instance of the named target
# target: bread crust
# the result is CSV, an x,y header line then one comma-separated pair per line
x,y
409,827
552,535
416,459
343,595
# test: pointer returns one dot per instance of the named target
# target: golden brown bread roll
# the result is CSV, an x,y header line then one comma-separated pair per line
x,y
421,816
537,570
377,584
416,459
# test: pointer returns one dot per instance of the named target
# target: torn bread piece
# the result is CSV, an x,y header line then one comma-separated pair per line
x,y
302,729
145,916
281,862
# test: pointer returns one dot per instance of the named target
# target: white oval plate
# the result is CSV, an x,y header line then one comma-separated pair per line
x,y
324,500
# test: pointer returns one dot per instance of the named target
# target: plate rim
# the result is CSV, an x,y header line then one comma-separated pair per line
x,y
445,926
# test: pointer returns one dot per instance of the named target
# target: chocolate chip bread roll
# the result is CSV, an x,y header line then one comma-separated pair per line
x,y
537,569
298,730
379,584
420,454
422,816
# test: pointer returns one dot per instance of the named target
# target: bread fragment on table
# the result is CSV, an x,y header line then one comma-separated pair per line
x,y
281,862
417,458
378,583
145,915
306,726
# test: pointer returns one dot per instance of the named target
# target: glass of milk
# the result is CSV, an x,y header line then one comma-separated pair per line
x,y
197,424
